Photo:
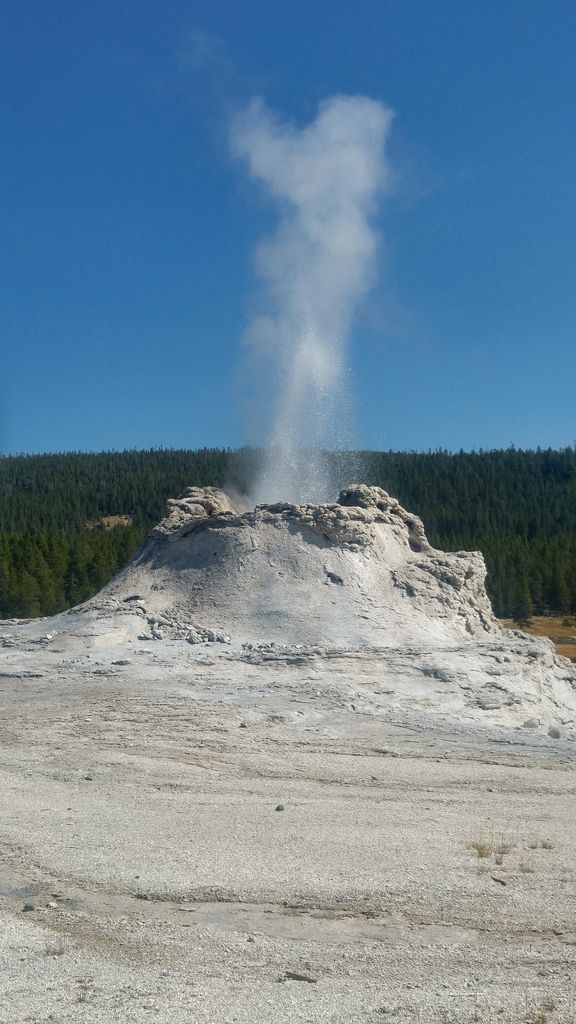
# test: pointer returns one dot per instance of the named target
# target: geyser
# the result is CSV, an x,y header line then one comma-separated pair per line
x,y
325,179
348,595
358,572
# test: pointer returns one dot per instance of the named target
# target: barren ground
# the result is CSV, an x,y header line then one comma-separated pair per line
x,y
419,870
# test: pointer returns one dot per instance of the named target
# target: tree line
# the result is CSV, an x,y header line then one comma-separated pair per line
x,y
517,507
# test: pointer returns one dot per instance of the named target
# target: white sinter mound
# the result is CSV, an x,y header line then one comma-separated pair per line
x,y
351,589
355,573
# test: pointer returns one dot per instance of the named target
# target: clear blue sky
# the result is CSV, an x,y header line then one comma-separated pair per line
x,y
128,230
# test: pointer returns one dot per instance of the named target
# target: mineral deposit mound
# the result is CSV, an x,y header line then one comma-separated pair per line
x,y
349,591
358,572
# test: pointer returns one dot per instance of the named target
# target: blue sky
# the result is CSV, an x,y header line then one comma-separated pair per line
x,y
128,234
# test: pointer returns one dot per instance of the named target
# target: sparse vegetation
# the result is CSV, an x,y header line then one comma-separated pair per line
x,y
497,850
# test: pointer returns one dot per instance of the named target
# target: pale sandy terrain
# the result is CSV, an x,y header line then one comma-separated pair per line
x,y
140,800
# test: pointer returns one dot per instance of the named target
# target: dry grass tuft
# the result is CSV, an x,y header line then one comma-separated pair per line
x,y
491,849
525,868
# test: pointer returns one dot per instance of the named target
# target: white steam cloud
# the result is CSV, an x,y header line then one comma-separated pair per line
x,y
316,268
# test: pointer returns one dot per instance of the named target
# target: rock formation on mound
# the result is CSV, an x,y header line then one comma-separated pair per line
x,y
356,572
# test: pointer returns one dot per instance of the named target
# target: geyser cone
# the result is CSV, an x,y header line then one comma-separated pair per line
x,y
356,572
348,596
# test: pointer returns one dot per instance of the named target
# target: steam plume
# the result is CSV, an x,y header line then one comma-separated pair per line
x,y
316,269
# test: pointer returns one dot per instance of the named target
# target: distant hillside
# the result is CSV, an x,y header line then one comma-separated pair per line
x,y
59,544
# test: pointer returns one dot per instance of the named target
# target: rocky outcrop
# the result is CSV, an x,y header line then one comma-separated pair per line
x,y
350,521
190,509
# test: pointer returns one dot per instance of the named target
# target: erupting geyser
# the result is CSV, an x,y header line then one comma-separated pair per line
x,y
317,267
